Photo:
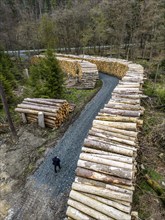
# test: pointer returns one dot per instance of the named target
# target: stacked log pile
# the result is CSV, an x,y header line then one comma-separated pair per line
x,y
85,72
110,66
89,75
54,111
69,66
105,174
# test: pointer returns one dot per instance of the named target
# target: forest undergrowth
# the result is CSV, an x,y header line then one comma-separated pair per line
x,y
149,196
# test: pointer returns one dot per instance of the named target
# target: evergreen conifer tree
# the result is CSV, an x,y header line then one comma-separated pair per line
x,y
46,77
7,76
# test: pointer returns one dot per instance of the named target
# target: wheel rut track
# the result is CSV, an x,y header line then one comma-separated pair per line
x,y
45,194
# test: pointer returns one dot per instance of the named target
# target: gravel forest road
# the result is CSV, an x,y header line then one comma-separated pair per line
x,y
45,194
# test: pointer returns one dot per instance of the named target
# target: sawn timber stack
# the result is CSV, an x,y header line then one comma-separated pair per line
x,y
53,111
106,169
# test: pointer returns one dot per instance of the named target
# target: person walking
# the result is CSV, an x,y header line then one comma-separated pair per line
x,y
56,163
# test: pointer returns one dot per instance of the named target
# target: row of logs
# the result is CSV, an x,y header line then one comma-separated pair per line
x,y
110,66
85,72
52,111
106,169
81,74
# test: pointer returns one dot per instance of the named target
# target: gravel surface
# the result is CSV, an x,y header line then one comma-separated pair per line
x,y
45,194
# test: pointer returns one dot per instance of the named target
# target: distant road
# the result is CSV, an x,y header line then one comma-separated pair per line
x,y
26,53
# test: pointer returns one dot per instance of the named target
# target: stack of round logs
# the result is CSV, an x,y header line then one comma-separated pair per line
x,y
54,110
110,66
85,72
105,174
81,74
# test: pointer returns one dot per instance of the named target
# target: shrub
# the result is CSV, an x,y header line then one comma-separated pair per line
x,y
8,73
160,92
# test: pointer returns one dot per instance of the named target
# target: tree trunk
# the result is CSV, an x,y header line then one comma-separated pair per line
x,y
122,112
97,205
109,137
107,147
113,134
109,170
6,108
99,191
104,117
112,203
73,213
116,130
156,187
104,161
103,185
119,125
86,210
102,177
108,155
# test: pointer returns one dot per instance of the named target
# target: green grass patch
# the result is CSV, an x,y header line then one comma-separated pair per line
x,y
41,150
154,175
79,97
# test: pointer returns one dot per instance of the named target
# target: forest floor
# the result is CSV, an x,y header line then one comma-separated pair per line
x,y
151,161
43,194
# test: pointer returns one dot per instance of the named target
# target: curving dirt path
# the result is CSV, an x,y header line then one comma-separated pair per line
x,y
45,194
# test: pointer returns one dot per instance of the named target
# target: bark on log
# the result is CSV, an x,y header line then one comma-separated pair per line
x,y
97,205
119,125
125,187
107,147
101,177
103,117
46,109
126,91
99,160
156,187
126,96
116,130
111,138
52,100
108,155
112,143
109,170
122,112
30,111
125,100
127,86
40,101
58,107
113,134
50,121
127,83
85,210
117,205
76,214
105,193
90,182
123,106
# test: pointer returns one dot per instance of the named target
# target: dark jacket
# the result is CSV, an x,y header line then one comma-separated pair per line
x,y
56,161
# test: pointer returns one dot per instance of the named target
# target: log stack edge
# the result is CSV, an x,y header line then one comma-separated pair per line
x,y
106,169
46,112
